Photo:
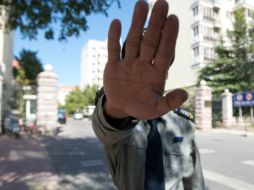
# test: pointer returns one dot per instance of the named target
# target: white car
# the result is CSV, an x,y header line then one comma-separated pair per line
x,y
78,115
88,111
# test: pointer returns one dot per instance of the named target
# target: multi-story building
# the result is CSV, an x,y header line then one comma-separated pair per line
x,y
212,22
181,73
5,62
203,23
93,59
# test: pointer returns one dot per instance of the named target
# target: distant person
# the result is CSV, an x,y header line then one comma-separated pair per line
x,y
149,143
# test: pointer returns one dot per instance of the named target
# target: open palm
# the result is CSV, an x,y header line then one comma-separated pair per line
x,y
134,85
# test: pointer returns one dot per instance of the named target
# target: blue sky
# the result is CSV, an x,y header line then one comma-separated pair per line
x,y
65,56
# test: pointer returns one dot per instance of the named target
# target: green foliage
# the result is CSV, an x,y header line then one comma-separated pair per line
x,y
233,69
30,67
69,15
25,75
74,101
189,105
21,77
77,100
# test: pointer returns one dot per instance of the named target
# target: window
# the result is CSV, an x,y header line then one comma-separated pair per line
x,y
195,10
229,15
196,51
208,32
195,31
249,13
208,53
208,13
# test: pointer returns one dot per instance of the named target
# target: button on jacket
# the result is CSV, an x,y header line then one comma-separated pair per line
x,y
125,151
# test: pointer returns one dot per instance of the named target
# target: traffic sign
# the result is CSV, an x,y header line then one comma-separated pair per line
x,y
243,99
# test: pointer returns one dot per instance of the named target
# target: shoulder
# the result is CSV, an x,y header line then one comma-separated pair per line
x,y
184,114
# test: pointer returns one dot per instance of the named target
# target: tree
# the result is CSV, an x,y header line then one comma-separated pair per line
x,y
221,74
74,101
77,100
240,38
69,15
30,64
233,67
251,55
89,94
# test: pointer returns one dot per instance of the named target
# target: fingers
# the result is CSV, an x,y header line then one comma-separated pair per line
x,y
135,34
152,36
172,100
166,49
114,47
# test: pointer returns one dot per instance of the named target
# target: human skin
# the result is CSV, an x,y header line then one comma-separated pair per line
x,y
134,86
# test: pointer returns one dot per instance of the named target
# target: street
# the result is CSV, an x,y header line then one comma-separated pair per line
x,y
73,160
77,157
227,159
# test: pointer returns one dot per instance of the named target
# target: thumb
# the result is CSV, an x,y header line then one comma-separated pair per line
x,y
173,100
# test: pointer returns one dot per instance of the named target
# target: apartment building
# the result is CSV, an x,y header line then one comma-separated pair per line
x,y
181,74
93,59
212,22
203,23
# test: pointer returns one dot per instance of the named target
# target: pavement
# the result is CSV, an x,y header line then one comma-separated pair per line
x,y
248,131
25,163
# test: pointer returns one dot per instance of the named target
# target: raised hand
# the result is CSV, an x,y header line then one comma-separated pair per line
x,y
134,86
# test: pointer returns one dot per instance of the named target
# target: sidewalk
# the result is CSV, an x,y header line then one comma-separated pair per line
x,y
235,131
25,165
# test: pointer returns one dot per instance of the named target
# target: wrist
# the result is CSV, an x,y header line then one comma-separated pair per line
x,y
114,112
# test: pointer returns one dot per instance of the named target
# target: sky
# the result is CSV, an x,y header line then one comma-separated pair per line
x,y
65,56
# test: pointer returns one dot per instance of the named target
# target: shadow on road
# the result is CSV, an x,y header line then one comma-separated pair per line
x,y
79,163
21,161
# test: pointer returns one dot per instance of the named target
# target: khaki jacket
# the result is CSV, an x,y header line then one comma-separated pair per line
x,y
125,152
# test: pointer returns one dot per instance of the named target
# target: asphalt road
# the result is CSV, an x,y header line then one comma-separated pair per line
x,y
77,156
228,160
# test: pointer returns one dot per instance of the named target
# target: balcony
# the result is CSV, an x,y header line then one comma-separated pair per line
x,y
216,4
209,38
217,24
209,18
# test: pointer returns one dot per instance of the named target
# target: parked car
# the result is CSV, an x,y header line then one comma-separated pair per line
x,y
88,111
62,118
78,115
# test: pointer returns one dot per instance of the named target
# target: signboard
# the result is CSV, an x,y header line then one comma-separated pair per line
x,y
243,99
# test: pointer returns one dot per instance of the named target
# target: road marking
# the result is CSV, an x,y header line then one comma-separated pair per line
x,y
92,163
68,153
206,151
233,183
248,162
91,141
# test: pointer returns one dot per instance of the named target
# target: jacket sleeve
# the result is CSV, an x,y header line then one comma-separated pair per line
x,y
195,181
105,131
